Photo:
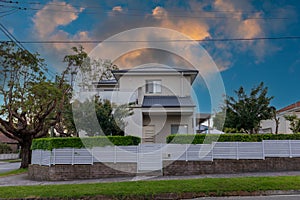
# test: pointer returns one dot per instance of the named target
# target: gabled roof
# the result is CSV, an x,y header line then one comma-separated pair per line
x,y
156,69
290,107
167,101
4,139
111,81
106,82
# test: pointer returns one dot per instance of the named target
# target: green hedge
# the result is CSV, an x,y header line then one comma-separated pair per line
x,y
88,142
199,138
4,148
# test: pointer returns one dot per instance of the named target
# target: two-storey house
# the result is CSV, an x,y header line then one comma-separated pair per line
x,y
160,97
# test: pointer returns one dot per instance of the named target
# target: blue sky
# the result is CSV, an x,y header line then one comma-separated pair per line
x,y
241,63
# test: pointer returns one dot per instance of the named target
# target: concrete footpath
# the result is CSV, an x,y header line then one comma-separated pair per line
x,y
22,179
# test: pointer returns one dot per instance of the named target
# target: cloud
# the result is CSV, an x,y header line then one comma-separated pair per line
x,y
194,28
117,9
159,13
229,19
48,25
47,20
159,17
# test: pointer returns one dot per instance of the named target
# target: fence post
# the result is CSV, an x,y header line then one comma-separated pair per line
x,y
263,149
237,150
50,158
161,158
115,157
137,157
212,151
290,147
54,155
73,156
186,154
41,159
92,155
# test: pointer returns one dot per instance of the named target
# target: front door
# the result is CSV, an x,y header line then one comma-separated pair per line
x,y
148,134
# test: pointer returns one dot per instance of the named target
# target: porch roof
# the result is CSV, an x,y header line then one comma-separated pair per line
x,y
167,101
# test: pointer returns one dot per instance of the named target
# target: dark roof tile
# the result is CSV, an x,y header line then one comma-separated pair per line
x,y
167,101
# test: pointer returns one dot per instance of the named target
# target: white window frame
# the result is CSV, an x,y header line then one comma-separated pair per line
x,y
156,86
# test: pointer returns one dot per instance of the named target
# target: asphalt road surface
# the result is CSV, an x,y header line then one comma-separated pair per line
x,y
5,166
273,197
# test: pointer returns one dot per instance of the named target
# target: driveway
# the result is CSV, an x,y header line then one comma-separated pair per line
x,y
6,166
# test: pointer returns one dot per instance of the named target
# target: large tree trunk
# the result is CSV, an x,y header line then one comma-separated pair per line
x,y
25,153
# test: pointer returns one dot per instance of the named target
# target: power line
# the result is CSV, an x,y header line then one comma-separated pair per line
x,y
8,12
138,15
127,9
21,46
157,41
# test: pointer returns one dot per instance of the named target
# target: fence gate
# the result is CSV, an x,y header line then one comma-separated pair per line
x,y
150,157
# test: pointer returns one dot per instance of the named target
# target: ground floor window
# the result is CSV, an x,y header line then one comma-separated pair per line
x,y
179,129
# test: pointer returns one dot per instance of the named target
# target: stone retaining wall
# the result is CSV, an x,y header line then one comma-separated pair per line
x,y
71,172
170,168
220,166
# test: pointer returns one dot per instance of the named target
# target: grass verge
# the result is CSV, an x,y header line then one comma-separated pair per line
x,y
148,189
13,172
12,161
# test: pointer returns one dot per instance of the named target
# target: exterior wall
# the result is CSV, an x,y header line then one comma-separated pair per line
x,y
134,122
163,124
220,166
171,84
284,125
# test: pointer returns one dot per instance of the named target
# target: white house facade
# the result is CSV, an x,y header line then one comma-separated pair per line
x,y
269,126
160,97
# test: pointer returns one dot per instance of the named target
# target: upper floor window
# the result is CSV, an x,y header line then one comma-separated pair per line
x,y
153,86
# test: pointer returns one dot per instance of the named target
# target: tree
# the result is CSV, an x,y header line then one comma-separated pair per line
x,y
100,117
218,120
92,113
31,103
294,123
276,119
246,111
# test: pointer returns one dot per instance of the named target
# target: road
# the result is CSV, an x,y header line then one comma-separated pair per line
x,y
6,166
272,197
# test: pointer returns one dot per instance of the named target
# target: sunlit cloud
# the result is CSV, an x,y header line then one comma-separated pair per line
x,y
229,21
117,9
46,21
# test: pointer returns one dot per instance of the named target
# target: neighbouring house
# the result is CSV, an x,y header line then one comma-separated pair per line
x,y
160,97
13,144
269,126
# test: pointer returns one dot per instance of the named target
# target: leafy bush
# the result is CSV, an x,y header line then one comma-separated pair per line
x,y
230,130
88,142
4,148
208,138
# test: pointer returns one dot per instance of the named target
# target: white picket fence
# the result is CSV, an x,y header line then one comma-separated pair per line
x,y
151,156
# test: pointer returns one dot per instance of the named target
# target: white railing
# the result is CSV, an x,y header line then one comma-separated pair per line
x,y
9,156
150,156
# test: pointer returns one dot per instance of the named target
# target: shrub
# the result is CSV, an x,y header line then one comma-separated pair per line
x,y
4,148
88,142
208,138
230,130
